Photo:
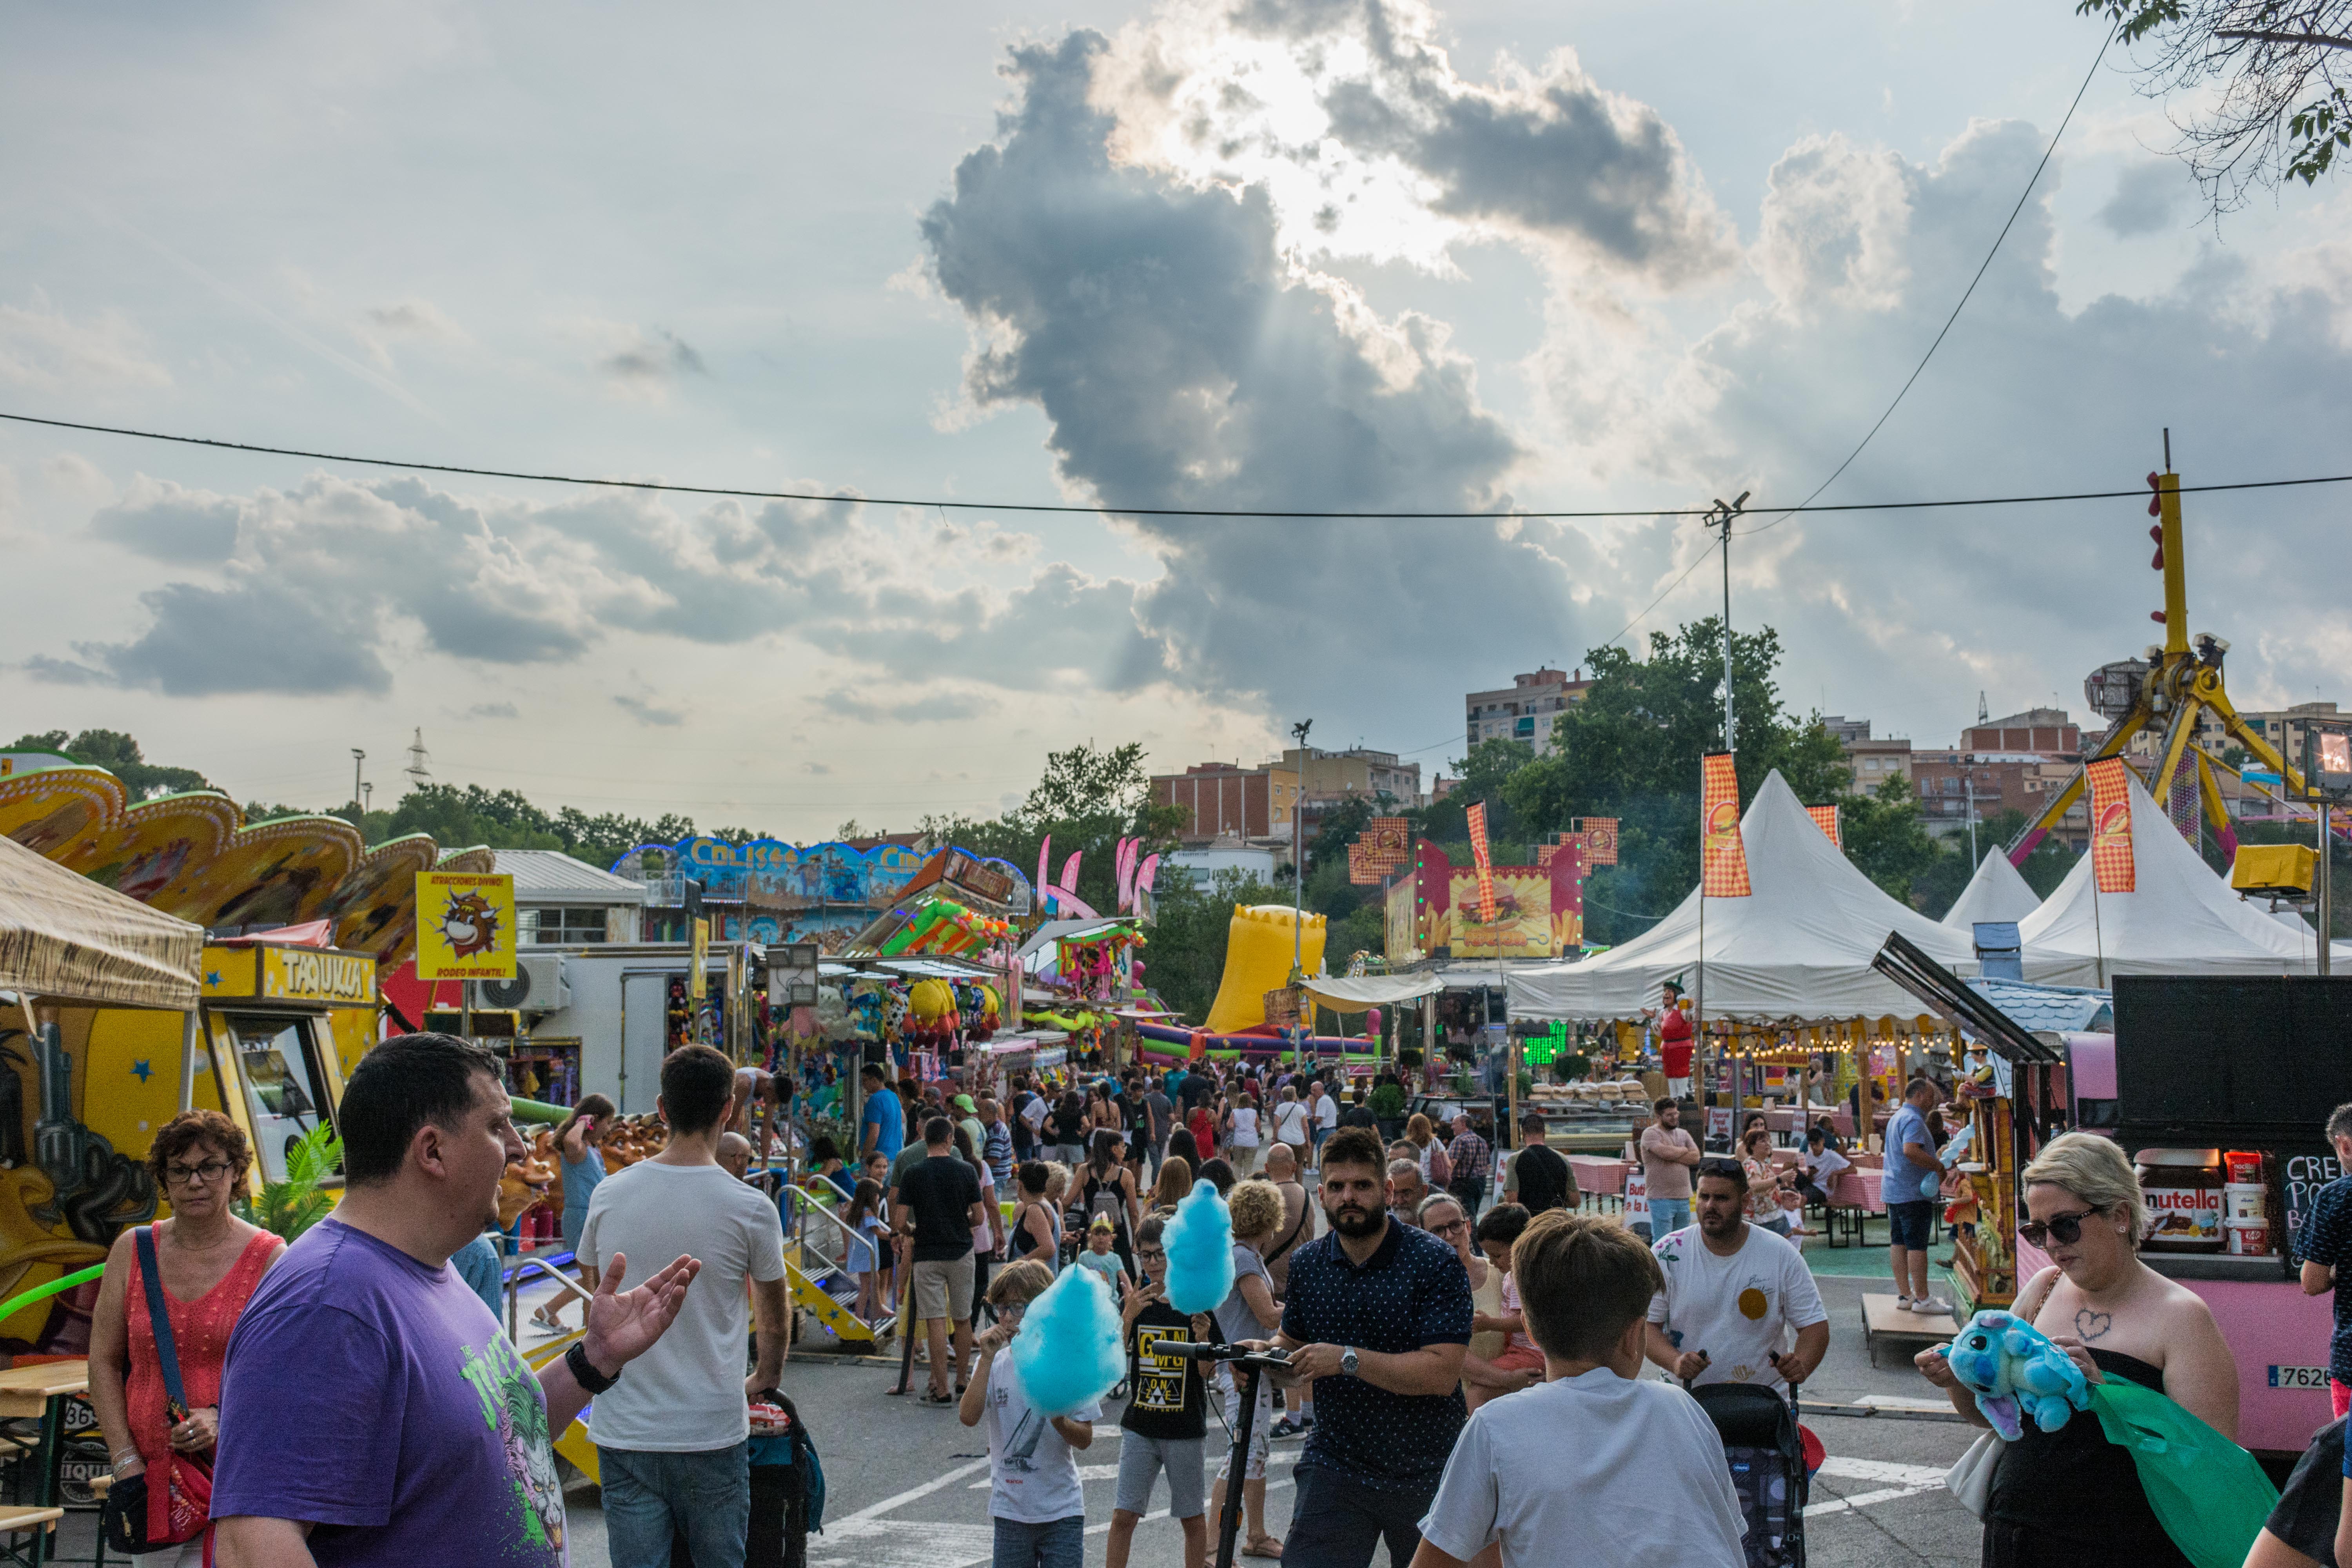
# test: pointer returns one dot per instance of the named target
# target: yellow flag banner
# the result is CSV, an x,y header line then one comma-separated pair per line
x,y
465,925
2111,827
1477,815
696,982
1723,855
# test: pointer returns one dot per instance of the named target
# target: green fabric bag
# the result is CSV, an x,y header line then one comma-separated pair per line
x,y
2209,1493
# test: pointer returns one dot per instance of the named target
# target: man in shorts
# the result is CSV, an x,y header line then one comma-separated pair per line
x,y
1913,1180
936,1208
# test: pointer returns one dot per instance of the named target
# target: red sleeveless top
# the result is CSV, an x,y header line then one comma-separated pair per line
x,y
200,1330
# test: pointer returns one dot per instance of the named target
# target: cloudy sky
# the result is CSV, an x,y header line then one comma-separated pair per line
x,y
1276,253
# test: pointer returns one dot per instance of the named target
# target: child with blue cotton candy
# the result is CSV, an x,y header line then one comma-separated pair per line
x,y
1044,1367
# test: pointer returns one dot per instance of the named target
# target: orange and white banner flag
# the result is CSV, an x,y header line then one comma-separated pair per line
x,y
1477,815
1825,817
1724,855
2111,827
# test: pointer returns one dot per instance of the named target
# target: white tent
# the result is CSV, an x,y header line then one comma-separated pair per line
x,y
2180,919
1799,948
1997,893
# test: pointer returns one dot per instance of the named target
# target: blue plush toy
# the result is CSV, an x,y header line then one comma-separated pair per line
x,y
2012,1367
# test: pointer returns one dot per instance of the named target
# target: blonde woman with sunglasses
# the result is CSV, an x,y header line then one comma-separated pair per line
x,y
2071,1495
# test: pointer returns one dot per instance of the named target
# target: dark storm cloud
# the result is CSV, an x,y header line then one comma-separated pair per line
x,y
1180,363
2147,200
250,636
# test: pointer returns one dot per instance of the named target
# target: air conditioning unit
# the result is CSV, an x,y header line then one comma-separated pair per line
x,y
539,986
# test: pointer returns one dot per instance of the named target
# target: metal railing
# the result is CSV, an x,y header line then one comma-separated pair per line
x,y
804,1205
527,1268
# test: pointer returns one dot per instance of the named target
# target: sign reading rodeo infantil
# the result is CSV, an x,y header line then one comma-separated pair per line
x,y
465,925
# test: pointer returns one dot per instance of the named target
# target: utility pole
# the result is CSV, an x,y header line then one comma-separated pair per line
x,y
1721,517
1298,886
357,758
1971,776
418,773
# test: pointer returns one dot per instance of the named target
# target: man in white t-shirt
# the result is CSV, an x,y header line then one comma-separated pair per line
x,y
1734,1296
673,1436
1549,1465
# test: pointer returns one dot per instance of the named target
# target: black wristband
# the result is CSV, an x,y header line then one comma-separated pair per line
x,y
584,1374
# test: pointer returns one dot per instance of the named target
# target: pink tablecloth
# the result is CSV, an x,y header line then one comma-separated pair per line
x,y
1596,1175
1858,1189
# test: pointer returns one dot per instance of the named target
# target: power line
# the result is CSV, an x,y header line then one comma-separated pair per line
x,y
1521,514
2023,196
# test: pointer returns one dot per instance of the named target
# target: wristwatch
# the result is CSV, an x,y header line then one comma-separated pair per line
x,y
585,1374
1348,1359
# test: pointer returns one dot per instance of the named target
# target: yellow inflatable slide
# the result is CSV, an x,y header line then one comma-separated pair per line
x,y
1257,960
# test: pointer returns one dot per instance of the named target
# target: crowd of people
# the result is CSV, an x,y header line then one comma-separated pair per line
x,y
1472,1380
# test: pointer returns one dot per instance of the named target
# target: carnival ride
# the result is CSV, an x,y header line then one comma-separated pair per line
x,y
2173,685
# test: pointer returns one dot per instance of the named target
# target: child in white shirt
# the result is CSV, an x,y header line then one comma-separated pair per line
x,y
1034,1494
1548,1465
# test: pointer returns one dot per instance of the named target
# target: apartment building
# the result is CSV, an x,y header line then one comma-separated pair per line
x,y
1525,709
1226,800
1871,759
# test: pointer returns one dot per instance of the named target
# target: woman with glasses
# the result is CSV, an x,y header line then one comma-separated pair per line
x,y
1442,1217
209,1262
2070,1495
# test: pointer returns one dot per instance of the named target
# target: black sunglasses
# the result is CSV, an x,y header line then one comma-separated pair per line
x,y
2066,1227
1717,1166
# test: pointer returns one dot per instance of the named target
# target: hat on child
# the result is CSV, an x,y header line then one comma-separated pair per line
x,y
1103,1222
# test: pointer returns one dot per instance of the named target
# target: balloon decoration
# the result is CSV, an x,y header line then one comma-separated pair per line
x,y
1067,1354
1200,1243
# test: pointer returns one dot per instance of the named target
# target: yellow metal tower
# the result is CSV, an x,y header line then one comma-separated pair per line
x,y
2183,681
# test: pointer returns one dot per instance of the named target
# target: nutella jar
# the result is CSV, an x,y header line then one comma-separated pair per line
x,y
2182,1188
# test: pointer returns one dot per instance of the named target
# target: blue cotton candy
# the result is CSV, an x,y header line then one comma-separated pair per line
x,y
1068,1352
1200,1243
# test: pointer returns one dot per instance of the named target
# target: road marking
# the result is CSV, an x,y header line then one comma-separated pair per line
x,y
1883,1470
901,1543
1865,1499
874,1510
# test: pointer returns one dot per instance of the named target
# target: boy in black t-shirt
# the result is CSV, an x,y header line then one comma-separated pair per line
x,y
1167,1413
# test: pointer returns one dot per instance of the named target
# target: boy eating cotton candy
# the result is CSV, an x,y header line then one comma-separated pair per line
x,y
1548,1465
1033,1497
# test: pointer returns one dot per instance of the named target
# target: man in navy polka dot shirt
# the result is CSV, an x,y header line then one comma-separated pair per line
x,y
1379,1314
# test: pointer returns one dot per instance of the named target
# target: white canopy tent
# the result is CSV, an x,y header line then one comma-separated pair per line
x,y
1997,893
1796,949
2180,919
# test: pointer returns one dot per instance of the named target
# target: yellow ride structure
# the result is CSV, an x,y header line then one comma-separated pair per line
x,y
2182,683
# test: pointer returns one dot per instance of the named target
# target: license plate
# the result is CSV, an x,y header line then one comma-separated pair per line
x,y
2298,1377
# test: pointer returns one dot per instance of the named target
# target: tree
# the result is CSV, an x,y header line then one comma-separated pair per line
x,y
2265,83
119,754
1887,839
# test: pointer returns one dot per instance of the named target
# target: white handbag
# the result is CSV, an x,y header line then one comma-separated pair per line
x,y
1970,1479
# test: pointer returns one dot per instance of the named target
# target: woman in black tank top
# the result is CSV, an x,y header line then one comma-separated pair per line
x,y
2070,1497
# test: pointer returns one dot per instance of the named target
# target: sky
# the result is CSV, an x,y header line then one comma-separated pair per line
x,y
1280,254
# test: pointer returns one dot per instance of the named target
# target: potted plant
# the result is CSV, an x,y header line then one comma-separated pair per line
x,y
289,1208
1388,1107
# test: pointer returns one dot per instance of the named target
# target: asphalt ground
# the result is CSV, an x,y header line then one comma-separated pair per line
x,y
907,1484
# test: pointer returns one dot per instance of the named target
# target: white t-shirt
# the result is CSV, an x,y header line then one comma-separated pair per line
x,y
1327,1112
1244,1127
1550,1465
686,1394
1826,1167
1291,1122
1739,1308
1033,1478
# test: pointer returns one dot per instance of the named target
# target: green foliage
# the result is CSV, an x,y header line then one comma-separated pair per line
x,y
1887,839
119,754
508,819
2134,18
1387,1102
289,1208
1087,800
2318,128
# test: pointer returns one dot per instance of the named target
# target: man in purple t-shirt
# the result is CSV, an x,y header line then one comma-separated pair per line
x,y
372,1412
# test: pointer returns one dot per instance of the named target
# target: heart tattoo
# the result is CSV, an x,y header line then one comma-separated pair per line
x,y
2093,1325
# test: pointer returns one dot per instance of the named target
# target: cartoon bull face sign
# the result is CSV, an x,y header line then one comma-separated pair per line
x,y
466,926
470,924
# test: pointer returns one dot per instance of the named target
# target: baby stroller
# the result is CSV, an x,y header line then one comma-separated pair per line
x,y
1766,1453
